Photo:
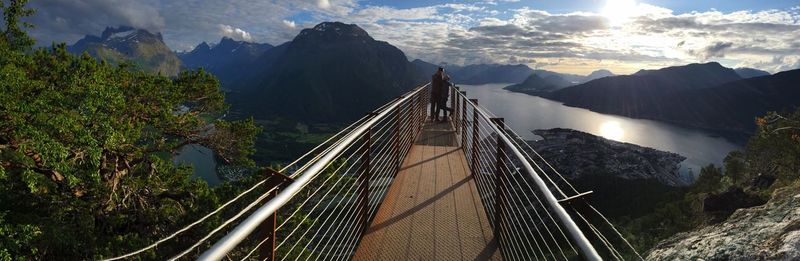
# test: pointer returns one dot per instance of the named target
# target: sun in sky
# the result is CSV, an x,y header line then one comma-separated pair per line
x,y
619,11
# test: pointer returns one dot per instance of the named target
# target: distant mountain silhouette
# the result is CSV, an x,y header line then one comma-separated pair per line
x,y
700,95
424,68
115,45
627,95
333,72
489,73
226,59
597,75
535,84
502,73
690,76
750,72
734,105
574,79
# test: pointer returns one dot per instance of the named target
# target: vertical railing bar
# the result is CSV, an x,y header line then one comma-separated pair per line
x,y
269,226
456,105
269,231
499,174
365,173
475,134
587,250
452,101
396,150
463,120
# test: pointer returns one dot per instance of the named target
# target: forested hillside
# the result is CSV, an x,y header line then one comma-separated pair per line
x,y
85,152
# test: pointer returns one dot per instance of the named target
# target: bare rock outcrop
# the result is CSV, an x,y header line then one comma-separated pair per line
x,y
767,232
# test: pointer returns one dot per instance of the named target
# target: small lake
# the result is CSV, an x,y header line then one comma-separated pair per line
x,y
203,161
525,113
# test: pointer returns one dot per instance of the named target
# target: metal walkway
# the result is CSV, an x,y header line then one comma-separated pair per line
x,y
394,186
432,210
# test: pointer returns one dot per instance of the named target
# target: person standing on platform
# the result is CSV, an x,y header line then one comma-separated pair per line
x,y
441,104
437,82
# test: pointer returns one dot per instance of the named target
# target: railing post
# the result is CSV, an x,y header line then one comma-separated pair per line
x,y
363,179
475,134
365,173
499,186
423,108
268,227
452,102
396,135
456,111
462,113
464,121
418,122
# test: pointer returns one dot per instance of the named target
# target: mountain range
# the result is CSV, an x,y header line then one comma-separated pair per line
x,y
333,72
336,72
706,95
477,74
224,59
750,72
535,84
144,49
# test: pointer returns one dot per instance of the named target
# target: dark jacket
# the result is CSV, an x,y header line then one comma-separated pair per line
x,y
436,86
444,91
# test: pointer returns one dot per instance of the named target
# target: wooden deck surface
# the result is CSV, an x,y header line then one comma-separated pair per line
x,y
432,210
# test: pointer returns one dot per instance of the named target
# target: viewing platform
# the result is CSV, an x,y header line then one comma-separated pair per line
x,y
432,210
396,186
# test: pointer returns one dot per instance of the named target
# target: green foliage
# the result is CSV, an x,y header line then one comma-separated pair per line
x,y
708,180
318,208
287,140
82,172
14,34
773,153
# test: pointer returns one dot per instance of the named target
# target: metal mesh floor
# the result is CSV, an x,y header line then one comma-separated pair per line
x,y
432,210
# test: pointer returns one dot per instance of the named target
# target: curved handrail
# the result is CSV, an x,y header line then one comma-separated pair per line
x,y
232,239
574,231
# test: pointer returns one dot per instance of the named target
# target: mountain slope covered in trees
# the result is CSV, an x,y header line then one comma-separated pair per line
x,y
333,72
85,165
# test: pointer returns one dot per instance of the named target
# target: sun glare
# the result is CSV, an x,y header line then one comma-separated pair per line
x,y
618,11
611,130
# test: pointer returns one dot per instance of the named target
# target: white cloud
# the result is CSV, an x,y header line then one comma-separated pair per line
x,y
289,24
70,20
373,14
235,33
648,37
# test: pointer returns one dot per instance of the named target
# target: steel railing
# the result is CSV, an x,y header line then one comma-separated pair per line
x,y
528,220
322,209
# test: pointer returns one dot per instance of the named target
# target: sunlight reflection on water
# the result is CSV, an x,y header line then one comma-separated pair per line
x,y
611,130
525,113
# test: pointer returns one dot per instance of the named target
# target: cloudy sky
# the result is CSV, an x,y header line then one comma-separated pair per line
x,y
566,36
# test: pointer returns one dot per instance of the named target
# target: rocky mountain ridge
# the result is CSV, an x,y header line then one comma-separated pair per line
x,y
225,59
144,49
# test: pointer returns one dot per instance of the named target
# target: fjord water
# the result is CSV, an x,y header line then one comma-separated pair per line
x,y
525,113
